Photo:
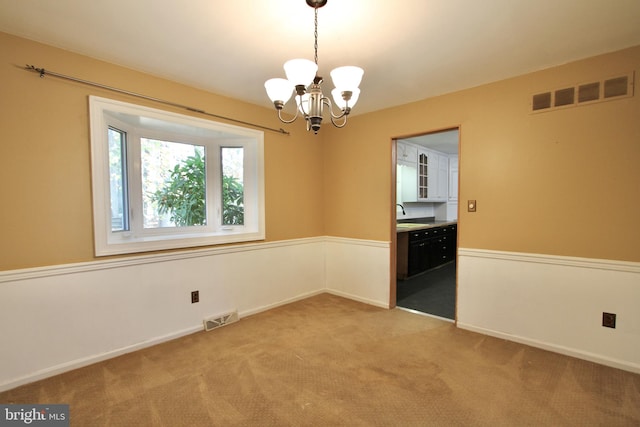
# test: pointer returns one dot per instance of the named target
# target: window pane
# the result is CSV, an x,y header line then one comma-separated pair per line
x,y
173,184
117,174
232,159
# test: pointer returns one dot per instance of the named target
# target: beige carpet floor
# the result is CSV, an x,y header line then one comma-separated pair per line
x,y
328,361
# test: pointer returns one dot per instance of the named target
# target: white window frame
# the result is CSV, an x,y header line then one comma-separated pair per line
x,y
148,122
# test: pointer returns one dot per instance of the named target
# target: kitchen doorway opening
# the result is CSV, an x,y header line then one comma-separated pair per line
x,y
426,218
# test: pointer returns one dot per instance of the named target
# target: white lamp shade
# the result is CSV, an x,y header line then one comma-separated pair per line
x,y
279,89
347,77
341,103
300,71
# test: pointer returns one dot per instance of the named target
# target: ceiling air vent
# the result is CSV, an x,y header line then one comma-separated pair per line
x,y
585,93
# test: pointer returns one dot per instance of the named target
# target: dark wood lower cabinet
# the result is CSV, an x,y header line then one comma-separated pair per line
x,y
422,250
418,257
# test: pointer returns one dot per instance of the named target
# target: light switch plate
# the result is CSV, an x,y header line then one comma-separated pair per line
x,y
471,205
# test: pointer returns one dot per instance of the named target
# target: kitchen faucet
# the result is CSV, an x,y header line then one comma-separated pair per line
x,y
401,207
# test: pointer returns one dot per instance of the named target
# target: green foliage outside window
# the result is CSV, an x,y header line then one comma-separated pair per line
x,y
232,201
184,193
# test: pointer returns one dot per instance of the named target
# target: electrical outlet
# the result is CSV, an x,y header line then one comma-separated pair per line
x,y
471,206
195,297
609,320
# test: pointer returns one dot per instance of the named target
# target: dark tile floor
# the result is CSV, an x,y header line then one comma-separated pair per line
x,y
432,292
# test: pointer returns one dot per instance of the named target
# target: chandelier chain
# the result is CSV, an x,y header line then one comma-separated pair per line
x,y
315,35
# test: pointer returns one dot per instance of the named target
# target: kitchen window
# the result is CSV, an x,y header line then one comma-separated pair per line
x,y
163,180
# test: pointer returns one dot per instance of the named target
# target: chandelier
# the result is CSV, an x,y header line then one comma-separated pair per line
x,y
303,79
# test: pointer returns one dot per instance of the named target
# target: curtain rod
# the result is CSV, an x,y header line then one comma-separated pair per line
x,y
44,72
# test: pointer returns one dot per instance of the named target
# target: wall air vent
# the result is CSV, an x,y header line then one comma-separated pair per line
x,y
616,87
564,97
589,92
585,93
542,101
221,320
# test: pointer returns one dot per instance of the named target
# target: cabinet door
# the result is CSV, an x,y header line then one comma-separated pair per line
x,y
433,176
443,178
406,173
427,175
425,166
418,257
453,178
453,232
407,153
446,244
406,183
402,256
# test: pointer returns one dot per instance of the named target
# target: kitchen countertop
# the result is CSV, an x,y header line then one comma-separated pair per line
x,y
403,227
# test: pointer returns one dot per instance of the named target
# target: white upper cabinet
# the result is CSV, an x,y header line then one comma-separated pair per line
x,y
433,176
425,175
407,153
442,192
453,178
406,173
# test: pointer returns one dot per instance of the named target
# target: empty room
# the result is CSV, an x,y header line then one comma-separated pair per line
x,y
209,210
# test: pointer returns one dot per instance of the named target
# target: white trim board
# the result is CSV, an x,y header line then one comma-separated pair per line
x,y
591,357
101,264
600,264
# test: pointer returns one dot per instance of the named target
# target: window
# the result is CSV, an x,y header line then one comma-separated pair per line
x,y
163,180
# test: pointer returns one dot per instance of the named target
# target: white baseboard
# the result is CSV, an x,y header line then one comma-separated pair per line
x,y
80,363
268,307
381,304
596,358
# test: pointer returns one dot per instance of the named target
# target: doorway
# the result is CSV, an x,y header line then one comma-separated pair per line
x,y
427,193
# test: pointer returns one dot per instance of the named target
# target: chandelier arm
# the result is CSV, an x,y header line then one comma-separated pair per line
x,y
287,121
336,124
343,113
326,101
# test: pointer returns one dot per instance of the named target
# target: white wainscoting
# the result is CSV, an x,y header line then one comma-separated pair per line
x,y
54,319
359,270
553,302
58,318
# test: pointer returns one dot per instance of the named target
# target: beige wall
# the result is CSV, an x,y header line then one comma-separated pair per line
x,y
565,182
46,216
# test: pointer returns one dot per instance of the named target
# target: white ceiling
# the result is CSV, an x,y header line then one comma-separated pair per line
x,y
409,49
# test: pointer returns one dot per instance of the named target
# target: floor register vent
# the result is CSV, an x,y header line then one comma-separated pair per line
x,y
585,93
221,320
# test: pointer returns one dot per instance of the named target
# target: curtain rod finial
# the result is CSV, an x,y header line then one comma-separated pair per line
x,y
32,68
